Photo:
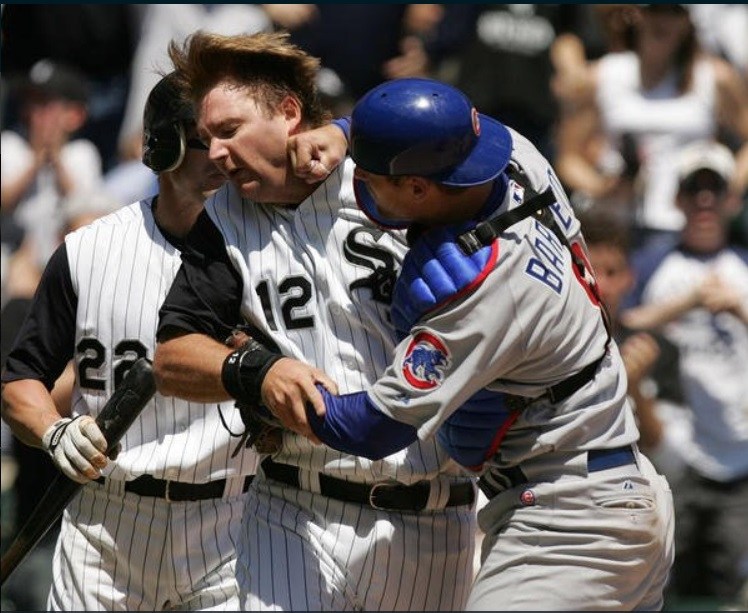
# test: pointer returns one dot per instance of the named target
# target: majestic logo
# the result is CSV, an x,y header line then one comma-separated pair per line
x,y
425,361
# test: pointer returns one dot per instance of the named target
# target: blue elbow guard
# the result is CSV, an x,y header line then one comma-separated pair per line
x,y
353,424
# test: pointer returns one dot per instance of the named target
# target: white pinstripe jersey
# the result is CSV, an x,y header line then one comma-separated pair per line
x,y
121,268
317,280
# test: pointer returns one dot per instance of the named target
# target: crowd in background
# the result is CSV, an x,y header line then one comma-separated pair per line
x,y
642,110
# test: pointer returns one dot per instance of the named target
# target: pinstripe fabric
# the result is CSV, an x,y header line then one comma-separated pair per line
x,y
121,551
315,280
131,553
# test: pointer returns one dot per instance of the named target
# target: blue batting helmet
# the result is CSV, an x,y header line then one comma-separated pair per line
x,y
426,128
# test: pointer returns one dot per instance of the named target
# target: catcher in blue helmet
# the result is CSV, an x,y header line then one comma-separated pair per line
x,y
419,127
505,357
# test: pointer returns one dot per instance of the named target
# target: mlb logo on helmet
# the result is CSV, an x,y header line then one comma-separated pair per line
x,y
425,361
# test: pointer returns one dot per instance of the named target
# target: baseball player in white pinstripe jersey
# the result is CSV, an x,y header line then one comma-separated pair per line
x,y
324,530
156,528
504,357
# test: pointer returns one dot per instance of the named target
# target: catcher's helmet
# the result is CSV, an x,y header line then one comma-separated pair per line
x,y
426,128
166,113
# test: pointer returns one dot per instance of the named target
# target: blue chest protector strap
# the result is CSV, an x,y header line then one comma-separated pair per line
x,y
488,231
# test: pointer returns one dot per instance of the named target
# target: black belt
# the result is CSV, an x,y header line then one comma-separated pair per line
x,y
561,391
178,491
597,459
382,496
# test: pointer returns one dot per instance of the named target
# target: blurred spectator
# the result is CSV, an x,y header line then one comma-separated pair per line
x,y
721,29
131,180
85,207
97,39
47,162
20,267
504,57
10,245
696,293
652,361
649,103
360,45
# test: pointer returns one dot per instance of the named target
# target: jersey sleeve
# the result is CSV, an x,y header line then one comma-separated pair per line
x,y
205,296
46,340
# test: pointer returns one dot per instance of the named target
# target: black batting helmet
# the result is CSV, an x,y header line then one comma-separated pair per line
x,y
167,111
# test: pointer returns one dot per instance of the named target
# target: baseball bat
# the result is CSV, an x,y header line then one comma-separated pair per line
x,y
116,416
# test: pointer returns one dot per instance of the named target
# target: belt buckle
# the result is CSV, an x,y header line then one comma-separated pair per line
x,y
372,494
166,491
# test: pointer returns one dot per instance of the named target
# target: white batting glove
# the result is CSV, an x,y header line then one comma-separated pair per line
x,y
77,446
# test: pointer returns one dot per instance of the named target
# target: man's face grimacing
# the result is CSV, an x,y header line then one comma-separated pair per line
x,y
247,143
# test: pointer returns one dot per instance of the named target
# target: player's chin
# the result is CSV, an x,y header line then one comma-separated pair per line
x,y
249,189
214,182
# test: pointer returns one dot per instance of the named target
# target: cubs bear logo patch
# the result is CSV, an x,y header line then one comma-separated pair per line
x,y
425,361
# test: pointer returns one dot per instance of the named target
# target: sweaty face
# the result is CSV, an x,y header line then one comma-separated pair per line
x,y
246,143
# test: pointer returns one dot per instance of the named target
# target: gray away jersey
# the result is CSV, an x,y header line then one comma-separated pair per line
x,y
531,324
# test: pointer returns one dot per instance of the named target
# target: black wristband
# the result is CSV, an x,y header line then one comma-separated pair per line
x,y
244,371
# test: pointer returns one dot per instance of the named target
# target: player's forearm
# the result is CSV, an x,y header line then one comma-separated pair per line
x,y
28,408
353,424
189,367
651,316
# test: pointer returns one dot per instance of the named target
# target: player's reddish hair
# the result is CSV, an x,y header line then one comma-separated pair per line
x,y
265,64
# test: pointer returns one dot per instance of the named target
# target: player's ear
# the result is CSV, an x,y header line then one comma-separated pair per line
x,y
290,108
420,187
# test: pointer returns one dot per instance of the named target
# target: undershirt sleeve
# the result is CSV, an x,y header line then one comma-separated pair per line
x,y
205,296
353,424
